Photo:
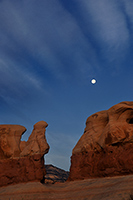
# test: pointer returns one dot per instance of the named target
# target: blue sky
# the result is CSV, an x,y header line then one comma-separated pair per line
x,y
50,51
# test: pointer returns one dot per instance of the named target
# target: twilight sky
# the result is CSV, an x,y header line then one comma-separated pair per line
x,y
49,52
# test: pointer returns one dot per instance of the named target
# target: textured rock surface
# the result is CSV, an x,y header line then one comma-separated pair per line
x,y
22,161
55,174
24,169
37,142
10,136
116,188
106,147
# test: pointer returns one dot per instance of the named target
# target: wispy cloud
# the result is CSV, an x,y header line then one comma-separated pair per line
x,y
29,29
46,36
127,10
61,149
15,80
108,25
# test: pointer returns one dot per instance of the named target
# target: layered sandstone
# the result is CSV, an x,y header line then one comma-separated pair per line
x,y
106,147
22,161
55,175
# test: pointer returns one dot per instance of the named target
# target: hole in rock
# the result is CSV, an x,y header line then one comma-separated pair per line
x,y
130,121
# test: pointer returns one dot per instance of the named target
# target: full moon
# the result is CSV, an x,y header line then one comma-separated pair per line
x,y
93,81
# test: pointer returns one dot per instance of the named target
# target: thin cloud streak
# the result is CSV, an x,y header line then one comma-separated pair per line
x,y
61,149
108,25
39,42
17,80
127,10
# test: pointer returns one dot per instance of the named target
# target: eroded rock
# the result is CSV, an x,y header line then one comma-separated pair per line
x,y
36,143
22,161
10,136
106,147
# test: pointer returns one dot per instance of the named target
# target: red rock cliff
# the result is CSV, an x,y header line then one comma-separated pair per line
x,y
106,147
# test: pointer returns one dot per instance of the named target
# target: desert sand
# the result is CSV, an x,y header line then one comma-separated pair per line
x,y
116,188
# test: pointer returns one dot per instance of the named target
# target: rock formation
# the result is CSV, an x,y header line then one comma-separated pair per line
x,y
55,175
106,147
22,161
36,143
10,136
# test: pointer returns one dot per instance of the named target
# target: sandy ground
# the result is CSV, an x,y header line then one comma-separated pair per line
x,y
115,188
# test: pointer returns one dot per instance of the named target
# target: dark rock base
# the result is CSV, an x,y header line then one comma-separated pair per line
x,y
111,161
22,169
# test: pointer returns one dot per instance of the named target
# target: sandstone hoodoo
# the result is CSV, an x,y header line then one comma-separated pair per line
x,y
22,161
106,147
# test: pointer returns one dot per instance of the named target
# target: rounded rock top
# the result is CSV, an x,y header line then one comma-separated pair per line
x,y
40,124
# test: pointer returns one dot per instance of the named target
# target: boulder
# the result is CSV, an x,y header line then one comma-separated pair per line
x,y
22,161
106,147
